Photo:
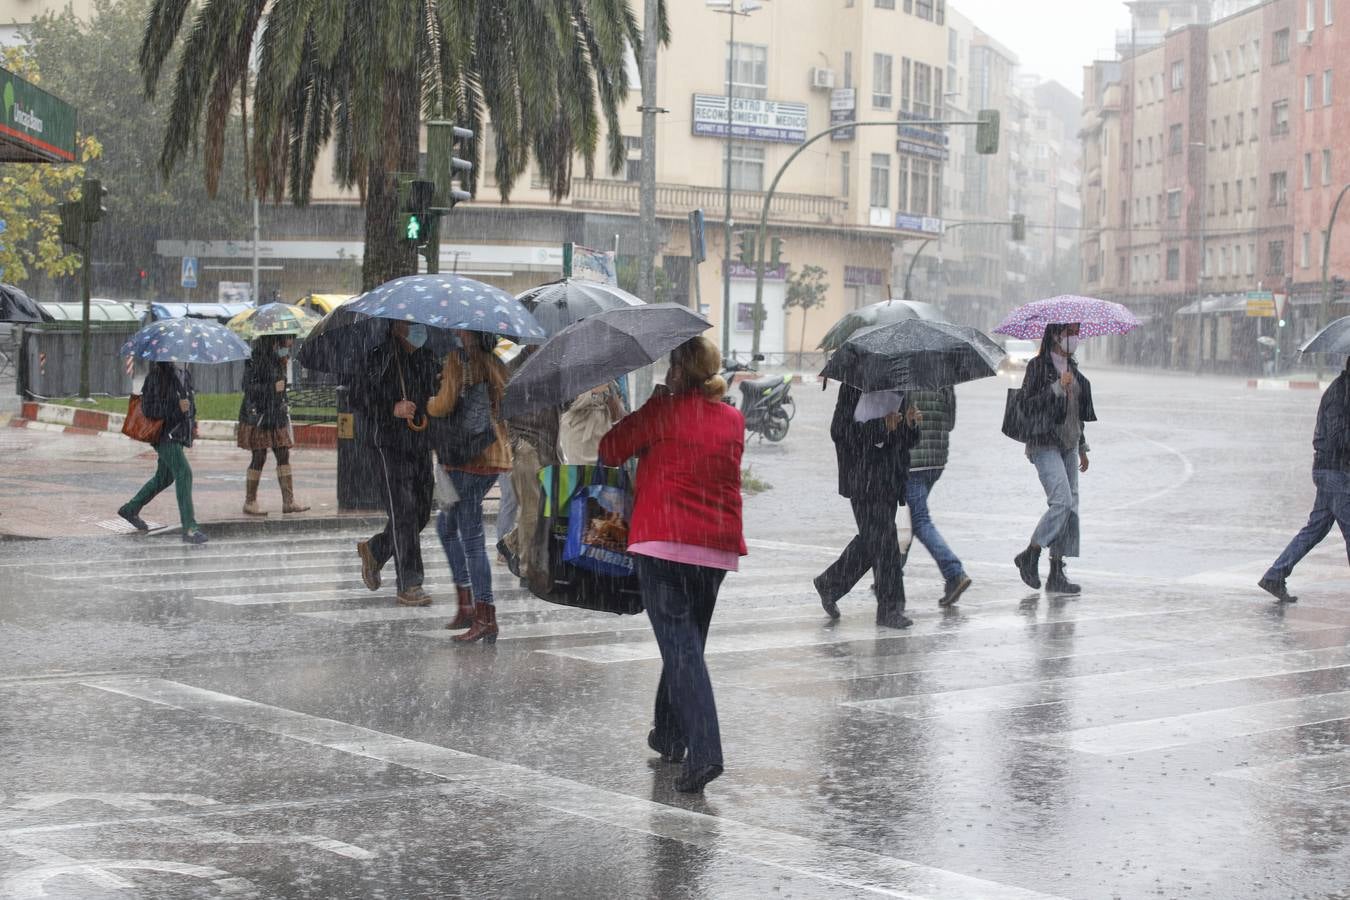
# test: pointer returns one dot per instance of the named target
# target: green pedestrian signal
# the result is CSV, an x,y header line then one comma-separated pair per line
x,y
415,228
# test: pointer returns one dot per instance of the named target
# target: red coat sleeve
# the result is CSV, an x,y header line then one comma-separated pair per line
x,y
633,434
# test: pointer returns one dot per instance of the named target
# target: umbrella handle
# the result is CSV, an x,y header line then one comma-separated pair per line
x,y
413,424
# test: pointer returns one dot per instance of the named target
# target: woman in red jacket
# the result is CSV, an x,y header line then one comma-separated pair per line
x,y
686,535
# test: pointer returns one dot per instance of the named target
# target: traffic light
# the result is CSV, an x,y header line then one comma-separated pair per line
x,y
92,198
417,221
1337,289
986,132
461,168
1019,227
72,223
776,256
745,248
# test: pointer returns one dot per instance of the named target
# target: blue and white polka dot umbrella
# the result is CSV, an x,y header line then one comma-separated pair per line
x,y
444,303
185,340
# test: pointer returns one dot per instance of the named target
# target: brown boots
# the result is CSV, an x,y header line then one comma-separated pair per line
x,y
251,479
484,626
464,615
288,502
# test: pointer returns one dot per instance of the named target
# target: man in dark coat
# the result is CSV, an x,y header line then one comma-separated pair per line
x,y
1331,475
873,458
391,393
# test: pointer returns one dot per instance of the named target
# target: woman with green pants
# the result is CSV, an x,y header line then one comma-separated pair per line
x,y
167,395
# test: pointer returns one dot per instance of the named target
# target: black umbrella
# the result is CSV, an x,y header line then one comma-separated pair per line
x,y
883,313
913,355
560,303
444,303
1335,338
16,306
597,350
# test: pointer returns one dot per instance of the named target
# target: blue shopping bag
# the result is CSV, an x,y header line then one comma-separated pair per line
x,y
598,514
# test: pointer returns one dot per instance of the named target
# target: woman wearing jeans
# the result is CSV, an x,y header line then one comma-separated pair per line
x,y
686,535
461,529
1056,403
167,395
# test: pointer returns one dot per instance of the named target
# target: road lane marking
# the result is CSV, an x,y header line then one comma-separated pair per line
x,y
810,857
1315,773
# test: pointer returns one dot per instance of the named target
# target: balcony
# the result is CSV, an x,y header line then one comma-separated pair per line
x,y
680,199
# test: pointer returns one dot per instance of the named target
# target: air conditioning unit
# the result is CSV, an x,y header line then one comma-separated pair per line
x,y
1305,38
822,79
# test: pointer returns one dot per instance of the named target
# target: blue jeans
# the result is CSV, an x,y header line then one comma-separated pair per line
x,y
917,488
1332,507
1058,527
461,534
680,600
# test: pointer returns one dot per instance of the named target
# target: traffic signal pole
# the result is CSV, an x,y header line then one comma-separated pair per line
x,y
986,120
86,290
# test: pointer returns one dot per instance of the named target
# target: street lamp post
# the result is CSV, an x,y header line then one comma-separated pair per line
x,y
731,9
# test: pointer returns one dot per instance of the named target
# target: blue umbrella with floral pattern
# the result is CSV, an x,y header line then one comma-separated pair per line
x,y
444,303
186,340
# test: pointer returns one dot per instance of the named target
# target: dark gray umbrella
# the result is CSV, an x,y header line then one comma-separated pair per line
x,y
913,355
596,351
16,306
1335,338
560,303
883,313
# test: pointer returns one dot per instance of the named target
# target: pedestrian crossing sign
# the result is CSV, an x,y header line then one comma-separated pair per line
x,y
189,277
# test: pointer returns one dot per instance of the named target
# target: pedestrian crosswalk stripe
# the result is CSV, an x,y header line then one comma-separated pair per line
x,y
1316,773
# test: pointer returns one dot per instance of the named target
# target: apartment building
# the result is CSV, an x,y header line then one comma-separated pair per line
x,y
15,15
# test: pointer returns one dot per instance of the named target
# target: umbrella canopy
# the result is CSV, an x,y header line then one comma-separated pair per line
x,y
274,319
1095,317
913,355
596,351
444,303
560,303
883,313
186,341
1335,338
16,306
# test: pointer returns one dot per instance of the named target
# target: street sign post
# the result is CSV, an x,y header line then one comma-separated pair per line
x,y
188,278
1260,305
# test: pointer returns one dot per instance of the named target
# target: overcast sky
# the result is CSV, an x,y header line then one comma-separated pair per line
x,y
1052,38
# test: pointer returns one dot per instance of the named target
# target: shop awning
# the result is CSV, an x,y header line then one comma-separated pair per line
x,y
1223,303
35,127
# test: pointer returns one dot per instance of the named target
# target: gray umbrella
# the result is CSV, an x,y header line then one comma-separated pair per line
x,y
560,303
913,355
1335,338
16,306
596,351
883,313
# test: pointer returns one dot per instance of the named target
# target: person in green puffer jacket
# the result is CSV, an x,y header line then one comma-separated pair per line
x,y
927,459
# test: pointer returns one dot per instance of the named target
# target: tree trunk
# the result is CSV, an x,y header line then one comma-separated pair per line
x,y
387,254
801,345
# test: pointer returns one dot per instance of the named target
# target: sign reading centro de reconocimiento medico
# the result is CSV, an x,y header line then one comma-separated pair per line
x,y
34,125
751,119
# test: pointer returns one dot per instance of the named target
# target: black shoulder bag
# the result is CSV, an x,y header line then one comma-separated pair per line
x,y
460,437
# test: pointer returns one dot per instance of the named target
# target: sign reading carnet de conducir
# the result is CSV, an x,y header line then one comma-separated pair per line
x,y
751,119
35,127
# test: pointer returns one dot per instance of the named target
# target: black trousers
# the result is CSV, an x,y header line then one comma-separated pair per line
x,y
876,547
407,485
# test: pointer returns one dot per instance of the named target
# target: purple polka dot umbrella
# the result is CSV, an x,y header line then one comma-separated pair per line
x,y
1095,317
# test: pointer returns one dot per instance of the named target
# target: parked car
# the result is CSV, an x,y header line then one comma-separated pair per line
x,y
1019,354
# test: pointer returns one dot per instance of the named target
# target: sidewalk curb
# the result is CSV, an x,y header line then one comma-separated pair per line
x,y
1278,384
74,420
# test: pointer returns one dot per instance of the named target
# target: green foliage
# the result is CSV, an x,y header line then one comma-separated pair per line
x,y
626,271
806,289
30,194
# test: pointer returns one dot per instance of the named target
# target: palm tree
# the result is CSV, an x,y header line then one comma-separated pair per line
x,y
362,75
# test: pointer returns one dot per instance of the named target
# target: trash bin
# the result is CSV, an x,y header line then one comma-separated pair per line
x,y
357,485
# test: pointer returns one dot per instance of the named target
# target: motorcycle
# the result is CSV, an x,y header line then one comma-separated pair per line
x,y
766,403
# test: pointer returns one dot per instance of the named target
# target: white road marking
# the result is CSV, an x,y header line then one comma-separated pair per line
x,y
1315,773
32,882
843,866
1187,471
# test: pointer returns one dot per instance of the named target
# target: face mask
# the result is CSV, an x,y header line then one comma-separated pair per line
x,y
417,335
283,352
1069,343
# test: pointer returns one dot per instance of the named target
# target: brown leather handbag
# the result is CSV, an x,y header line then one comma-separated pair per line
x,y
137,426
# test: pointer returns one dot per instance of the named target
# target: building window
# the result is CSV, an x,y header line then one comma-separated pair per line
x,y
882,66
1256,55
1227,129
1279,194
1213,133
1175,140
1326,87
632,148
918,188
1223,260
1251,259
1174,204
1275,258
880,195
1255,130
748,70
885,4
1241,128
1178,75
1209,262
845,175
747,167
1307,171
1173,265
1228,65
925,9
1326,167
1280,49
1209,207
1251,193
902,198
1223,206
1307,92
1311,14
1328,10
1149,159
1214,68
1305,250
1279,117
1242,60
1237,195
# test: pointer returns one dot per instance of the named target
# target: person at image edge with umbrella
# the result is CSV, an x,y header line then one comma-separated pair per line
x,y
1331,475
167,395
391,391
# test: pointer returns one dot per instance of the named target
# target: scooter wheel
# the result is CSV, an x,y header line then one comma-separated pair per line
x,y
776,428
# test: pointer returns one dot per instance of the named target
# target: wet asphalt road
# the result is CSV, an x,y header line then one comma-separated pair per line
x,y
244,719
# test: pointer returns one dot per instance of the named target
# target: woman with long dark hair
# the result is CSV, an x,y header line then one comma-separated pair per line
x,y
265,421
686,535
1056,404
